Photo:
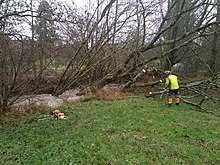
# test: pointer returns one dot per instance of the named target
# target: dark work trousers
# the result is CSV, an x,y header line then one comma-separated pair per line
x,y
174,92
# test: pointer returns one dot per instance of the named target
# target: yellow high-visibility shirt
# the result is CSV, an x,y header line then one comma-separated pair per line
x,y
172,82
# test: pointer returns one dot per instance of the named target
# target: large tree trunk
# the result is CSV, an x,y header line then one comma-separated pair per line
x,y
215,44
173,33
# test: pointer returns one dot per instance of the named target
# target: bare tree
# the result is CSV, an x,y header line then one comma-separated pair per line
x,y
17,76
11,51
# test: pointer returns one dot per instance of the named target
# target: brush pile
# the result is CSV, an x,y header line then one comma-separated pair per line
x,y
198,93
203,92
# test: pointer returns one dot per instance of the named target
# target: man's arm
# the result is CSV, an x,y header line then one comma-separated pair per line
x,y
167,82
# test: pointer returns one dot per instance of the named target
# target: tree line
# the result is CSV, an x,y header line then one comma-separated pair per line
x,y
56,46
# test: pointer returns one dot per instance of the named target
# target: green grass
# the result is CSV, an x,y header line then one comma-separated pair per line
x,y
131,131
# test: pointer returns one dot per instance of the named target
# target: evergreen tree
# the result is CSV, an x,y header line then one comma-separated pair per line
x,y
45,33
45,29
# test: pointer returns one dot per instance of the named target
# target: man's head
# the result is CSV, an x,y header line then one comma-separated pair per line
x,y
167,73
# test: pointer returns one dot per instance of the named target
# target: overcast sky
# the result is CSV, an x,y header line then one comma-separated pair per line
x,y
79,3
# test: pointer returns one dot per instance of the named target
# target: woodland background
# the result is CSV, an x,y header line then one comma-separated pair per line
x,y
49,46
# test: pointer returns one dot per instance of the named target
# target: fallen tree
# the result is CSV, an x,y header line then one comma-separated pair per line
x,y
198,93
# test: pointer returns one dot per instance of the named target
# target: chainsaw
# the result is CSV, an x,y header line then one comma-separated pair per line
x,y
58,115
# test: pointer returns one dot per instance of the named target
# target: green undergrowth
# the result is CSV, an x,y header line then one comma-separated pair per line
x,y
135,130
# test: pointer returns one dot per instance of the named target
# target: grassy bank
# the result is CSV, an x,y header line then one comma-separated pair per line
x,y
137,130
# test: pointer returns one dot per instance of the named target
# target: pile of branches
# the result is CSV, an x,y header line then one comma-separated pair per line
x,y
202,92
198,93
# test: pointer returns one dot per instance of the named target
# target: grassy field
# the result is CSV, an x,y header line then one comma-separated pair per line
x,y
135,130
